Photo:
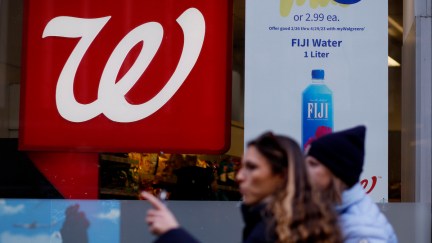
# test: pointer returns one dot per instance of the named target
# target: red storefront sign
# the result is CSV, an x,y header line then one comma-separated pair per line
x,y
130,75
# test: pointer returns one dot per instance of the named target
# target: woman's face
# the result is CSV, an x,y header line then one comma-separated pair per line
x,y
319,175
255,177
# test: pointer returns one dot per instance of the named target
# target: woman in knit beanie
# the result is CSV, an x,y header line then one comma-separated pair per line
x,y
334,163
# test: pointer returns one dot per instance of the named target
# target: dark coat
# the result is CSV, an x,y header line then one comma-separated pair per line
x,y
257,225
178,235
255,230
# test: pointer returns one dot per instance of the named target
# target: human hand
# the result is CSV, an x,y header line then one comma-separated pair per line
x,y
159,219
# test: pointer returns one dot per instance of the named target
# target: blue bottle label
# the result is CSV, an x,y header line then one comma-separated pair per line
x,y
317,117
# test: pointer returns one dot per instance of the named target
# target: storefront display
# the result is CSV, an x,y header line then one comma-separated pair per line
x,y
343,47
182,176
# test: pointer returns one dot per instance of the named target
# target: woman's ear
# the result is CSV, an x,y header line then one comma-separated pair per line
x,y
283,176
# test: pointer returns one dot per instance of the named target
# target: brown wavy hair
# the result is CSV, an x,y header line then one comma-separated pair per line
x,y
297,213
333,193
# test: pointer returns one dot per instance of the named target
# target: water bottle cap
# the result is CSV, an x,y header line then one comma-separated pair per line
x,y
317,74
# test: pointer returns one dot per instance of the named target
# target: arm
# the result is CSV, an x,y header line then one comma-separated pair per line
x,y
163,223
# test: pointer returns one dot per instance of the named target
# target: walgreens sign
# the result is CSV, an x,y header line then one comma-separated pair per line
x,y
131,75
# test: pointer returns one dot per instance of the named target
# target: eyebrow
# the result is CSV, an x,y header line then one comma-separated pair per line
x,y
249,161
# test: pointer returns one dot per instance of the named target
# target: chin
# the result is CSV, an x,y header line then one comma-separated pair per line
x,y
245,201
249,202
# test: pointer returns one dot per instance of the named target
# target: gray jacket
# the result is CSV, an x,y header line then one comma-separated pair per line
x,y
361,220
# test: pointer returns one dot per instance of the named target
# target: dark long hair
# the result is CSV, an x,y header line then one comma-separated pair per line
x,y
298,215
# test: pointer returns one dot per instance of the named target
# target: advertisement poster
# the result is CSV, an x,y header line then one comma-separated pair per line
x,y
56,221
316,66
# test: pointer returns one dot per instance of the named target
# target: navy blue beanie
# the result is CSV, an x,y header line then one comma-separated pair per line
x,y
342,153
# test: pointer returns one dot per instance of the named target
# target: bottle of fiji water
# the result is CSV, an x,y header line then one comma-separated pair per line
x,y
317,109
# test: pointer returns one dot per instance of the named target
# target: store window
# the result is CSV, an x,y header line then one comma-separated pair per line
x,y
202,184
123,175
119,175
395,33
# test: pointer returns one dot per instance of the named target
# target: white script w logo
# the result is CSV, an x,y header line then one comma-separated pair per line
x,y
111,95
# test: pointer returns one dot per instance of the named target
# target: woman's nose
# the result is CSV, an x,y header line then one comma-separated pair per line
x,y
240,176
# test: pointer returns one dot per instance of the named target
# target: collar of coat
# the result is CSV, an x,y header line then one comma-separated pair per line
x,y
351,196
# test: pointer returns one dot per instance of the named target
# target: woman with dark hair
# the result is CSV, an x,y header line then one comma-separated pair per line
x,y
290,210
279,204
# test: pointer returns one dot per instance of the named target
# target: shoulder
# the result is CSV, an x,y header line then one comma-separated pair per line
x,y
256,228
361,219
259,234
